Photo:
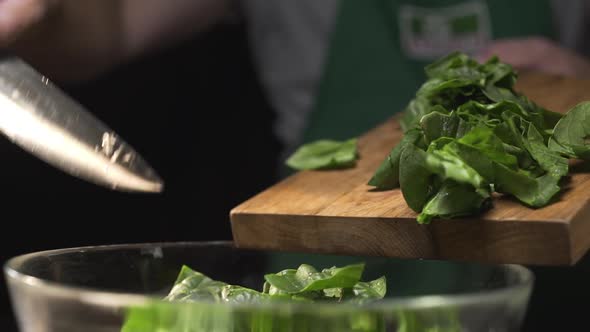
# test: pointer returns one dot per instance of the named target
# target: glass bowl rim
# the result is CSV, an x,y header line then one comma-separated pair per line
x,y
96,296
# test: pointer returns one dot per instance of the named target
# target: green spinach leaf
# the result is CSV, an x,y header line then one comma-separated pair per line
x,y
498,73
484,139
387,175
306,278
192,286
324,154
364,292
454,199
415,110
416,180
534,192
448,165
550,161
572,133
438,124
447,67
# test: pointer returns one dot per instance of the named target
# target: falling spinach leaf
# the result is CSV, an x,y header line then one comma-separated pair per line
x,y
324,154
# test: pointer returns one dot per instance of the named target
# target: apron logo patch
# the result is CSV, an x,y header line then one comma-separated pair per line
x,y
429,33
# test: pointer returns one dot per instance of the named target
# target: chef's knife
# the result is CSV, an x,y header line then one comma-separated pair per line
x,y
40,118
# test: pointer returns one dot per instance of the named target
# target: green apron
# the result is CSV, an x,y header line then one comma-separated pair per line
x,y
369,76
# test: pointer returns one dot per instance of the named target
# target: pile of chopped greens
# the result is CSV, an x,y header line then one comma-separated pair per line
x,y
468,134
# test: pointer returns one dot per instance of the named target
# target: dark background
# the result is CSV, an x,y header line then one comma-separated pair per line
x,y
195,112
198,114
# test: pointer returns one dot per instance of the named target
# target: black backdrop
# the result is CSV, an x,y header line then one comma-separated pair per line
x,y
198,115
195,112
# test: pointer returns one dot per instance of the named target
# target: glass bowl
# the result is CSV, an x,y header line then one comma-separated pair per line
x,y
120,287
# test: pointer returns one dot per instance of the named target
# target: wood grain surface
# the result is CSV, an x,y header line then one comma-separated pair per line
x,y
336,212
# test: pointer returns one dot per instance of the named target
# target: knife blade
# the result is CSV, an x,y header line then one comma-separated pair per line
x,y
39,117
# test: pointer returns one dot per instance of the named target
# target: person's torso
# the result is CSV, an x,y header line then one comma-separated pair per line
x,y
336,68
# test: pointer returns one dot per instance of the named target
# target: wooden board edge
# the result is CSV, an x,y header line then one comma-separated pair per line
x,y
487,242
579,230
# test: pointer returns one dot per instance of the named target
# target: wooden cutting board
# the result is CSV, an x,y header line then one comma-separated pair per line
x,y
336,212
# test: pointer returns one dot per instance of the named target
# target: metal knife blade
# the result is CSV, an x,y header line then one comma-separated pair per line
x,y
40,118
